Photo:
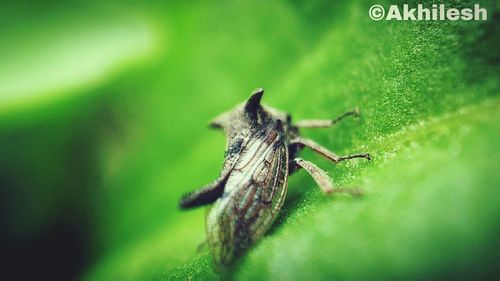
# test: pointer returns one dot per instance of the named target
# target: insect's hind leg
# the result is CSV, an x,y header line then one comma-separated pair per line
x,y
205,195
320,177
325,152
325,123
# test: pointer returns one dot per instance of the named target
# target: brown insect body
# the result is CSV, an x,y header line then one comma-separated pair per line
x,y
250,191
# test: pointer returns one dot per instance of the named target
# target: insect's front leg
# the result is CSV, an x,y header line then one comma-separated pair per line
x,y
325,152
325,123
320,177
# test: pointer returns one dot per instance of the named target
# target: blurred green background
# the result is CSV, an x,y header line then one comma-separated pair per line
x,y
103,114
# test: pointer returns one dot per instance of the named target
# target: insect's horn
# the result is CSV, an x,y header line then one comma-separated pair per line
x,y
254,101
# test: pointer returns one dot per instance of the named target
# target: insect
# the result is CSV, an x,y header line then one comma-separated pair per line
x,y
261,152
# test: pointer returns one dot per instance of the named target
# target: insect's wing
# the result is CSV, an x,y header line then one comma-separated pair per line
x,y
253,196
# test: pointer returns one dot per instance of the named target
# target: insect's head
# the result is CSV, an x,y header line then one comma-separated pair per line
x,y
243,115
249,116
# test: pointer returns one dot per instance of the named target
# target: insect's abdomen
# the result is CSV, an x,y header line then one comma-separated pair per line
x,y
253,196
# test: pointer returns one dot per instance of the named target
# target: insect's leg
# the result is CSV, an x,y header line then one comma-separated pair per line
x,y
205,195
326,122
320,177
325,152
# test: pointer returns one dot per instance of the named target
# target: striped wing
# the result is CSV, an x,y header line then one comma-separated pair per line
x,y
253,196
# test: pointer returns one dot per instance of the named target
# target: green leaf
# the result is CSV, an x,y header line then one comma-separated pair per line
x,y
116,164
63,52
57,65
428,95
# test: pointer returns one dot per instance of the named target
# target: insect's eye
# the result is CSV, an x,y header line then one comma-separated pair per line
x,y
289,118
